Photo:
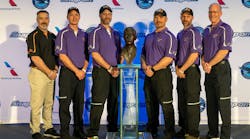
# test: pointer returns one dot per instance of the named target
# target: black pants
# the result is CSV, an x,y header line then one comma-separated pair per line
x,y
218,93
104,87
158,89
70,89
189,100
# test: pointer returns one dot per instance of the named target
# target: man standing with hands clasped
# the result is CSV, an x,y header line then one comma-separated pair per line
x,y
157,55
42,75
217,44
188,73
105,48
72,48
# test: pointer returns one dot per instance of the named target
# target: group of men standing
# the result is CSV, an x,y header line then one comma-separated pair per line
x,y
70,50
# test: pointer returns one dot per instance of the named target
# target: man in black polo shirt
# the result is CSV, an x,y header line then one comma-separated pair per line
x,y
42,74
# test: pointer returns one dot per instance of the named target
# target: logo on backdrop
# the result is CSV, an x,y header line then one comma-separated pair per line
x,y
245,70
246,3
76,1
144,4
12,3
240,104
16,34
200,29
12,72
221,2
116,3
241,34
18,103
202,104
88,104
41,4
180,1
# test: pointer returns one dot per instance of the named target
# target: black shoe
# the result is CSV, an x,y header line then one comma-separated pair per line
x,y
180,134
65,136
37,136
211,137
51,133
79,134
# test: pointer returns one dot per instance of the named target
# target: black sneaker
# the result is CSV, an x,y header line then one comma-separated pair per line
x,y
51,133
37,136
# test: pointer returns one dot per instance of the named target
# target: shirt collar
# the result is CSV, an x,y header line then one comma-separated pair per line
x,y
162,31
220,23
102,27
188,28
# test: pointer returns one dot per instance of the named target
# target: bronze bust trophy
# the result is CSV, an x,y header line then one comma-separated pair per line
x,y
129,50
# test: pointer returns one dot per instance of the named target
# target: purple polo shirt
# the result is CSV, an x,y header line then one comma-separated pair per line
x,y
189,41
108,45
72,45
215,39
158,45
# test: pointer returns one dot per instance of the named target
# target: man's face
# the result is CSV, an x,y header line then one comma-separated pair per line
x,y
186,19
43,20
106,17
214,13
160,21
73,17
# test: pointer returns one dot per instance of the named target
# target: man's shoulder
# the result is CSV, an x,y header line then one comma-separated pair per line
x,y
225,25
33,33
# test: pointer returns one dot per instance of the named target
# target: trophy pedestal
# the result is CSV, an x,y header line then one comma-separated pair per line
x,y
129,109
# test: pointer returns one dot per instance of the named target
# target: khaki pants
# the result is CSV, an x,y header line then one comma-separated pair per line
x,y
42,91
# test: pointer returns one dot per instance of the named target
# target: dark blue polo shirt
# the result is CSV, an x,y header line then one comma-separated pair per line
x,y
108,45
215,39
74,46
189,41
158,45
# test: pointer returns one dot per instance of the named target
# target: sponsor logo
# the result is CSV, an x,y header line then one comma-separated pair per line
x,y
144,4
88,104
12,5
76,1
240,104
13,73
180,1
16,34
246,3
41,4
241,34
202,104
245,70
18,103
221,2
200,29
116,3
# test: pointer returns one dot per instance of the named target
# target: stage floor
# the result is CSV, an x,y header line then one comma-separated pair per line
x,y
22,131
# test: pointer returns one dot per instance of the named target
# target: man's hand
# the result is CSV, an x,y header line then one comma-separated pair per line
x,y
180,73
80,74
148,71
52,75
115,72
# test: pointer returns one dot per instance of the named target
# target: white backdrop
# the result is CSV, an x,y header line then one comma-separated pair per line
x,y
18,18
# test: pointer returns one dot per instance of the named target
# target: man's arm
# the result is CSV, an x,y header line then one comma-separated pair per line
x,y
43,67
190,61
163,63
99,59
220,55
68,63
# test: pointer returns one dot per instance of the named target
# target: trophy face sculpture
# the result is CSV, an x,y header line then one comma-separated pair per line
x,y
129,50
